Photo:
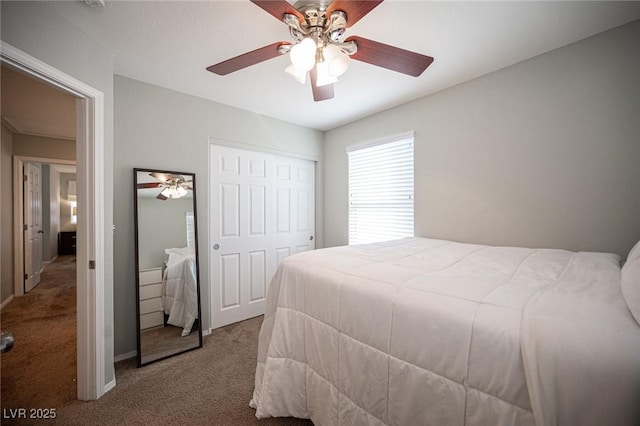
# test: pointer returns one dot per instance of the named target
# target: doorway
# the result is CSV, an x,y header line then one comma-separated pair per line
x,y
42,367
91,229
20,215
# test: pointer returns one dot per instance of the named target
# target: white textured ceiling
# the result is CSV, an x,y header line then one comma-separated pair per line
x,y
170,44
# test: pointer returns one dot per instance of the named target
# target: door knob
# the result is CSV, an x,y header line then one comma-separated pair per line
x,y
6,342
216,246
311,238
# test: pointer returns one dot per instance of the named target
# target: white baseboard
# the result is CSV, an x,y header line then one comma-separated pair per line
x,y
206,332
109,386
48,262
122,357
6,302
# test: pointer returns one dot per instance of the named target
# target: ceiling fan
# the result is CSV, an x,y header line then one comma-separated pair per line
x,y
173,186
319,47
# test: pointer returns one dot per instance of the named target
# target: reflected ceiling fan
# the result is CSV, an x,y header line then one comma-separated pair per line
x,y
319,47
173,186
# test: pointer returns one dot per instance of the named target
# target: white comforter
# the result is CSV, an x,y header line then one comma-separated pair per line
x,y
432,332
181,293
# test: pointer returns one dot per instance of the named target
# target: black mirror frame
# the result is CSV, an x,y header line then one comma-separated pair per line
x,y
137,266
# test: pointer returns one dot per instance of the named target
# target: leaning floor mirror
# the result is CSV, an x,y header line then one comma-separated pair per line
x,y
167,285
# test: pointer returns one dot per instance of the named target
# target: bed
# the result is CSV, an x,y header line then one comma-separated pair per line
x,y
432,332
179,289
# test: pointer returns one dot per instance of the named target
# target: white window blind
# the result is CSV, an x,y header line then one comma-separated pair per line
x,y
191,230
381,191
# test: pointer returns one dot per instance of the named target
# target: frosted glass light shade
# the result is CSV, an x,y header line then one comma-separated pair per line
x,y
339,64
338,60
303,54
174,192
323,77
330,51
296,73
181,191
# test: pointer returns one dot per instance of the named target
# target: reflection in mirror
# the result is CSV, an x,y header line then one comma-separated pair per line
x,y
167,290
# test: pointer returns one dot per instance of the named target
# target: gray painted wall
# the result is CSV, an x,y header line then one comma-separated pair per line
x,y
35,28
545,153
161,129
161,225
46,213
66,223
54,211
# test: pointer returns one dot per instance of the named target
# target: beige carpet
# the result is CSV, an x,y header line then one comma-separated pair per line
x,y
207,386
40,370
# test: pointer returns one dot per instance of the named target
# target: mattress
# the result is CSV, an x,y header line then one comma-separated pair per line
x,y
434,332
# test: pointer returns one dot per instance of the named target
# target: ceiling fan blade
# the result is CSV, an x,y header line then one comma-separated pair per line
x,y
247,59
320,93
149,185
162,177
278,8
355,9
393,58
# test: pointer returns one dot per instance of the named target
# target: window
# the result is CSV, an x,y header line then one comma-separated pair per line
x,y
191,230
381,190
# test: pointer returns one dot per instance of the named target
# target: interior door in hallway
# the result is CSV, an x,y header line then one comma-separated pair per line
x,y
32,225
262,210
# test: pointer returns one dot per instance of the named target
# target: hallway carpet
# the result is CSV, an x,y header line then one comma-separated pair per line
x,y
40,370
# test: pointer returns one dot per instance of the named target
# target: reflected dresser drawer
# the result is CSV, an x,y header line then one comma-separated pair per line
x,y
151,298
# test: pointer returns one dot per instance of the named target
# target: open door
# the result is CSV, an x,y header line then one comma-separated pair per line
x,y
32,225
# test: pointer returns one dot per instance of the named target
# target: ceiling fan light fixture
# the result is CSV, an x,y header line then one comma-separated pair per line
x,y
296,73
174,191
303,54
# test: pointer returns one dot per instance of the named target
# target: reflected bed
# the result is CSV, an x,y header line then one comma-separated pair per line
x,y
180,288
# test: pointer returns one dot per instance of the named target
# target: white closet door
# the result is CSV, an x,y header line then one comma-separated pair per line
x,y
262,210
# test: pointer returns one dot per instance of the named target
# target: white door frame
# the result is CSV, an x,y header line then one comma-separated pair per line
x,y
91,226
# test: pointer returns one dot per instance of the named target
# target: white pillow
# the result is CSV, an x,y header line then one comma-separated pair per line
x,y
630,281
